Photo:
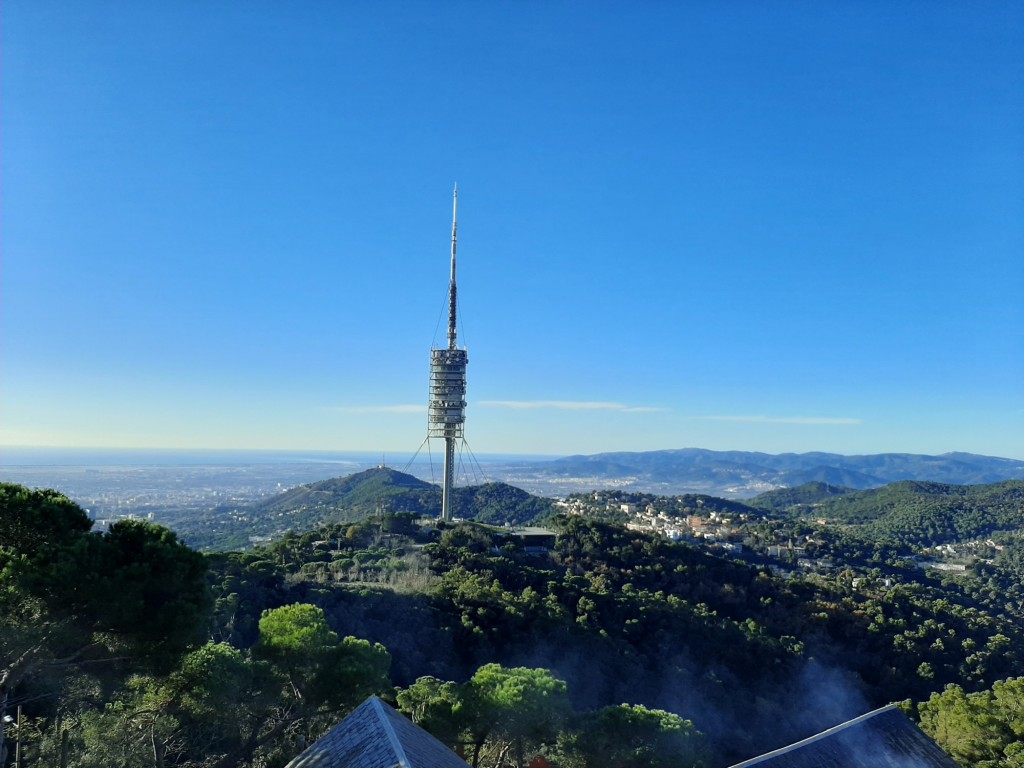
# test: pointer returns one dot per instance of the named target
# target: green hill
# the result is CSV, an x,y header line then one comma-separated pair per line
x,y
358,494
929,513
784,499
353,498
499,503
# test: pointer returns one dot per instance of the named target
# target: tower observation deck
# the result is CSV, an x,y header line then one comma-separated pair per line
x,y
446,414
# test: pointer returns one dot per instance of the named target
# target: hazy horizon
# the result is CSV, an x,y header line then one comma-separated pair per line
x,y
67,455
13,454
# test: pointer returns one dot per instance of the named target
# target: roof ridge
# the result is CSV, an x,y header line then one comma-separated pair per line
x,y
396,743
811,739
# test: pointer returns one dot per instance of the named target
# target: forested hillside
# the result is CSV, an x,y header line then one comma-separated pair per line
x,y
130,649
352,498
930,513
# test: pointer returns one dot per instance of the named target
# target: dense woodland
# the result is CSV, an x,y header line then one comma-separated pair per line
x,y
614,648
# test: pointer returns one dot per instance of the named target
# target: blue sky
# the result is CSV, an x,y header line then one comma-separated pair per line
x,y
755,226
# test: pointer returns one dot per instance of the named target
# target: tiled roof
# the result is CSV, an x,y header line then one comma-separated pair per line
x,y
885,738
376,736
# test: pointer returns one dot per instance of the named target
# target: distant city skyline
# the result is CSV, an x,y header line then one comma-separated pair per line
x,y
777,228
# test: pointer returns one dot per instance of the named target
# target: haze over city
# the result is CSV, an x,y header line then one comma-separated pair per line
x,y
745,226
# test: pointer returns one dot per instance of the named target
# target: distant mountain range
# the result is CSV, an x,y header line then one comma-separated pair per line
x,y
742,474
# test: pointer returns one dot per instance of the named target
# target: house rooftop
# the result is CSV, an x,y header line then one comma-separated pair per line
x,y
376,736
885,738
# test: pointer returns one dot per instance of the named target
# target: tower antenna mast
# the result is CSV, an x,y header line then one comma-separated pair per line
x,y
447,412
453,291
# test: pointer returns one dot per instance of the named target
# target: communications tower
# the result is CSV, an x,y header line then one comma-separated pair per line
x,y
446,415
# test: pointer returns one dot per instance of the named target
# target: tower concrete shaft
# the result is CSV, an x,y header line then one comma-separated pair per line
x,y
447,411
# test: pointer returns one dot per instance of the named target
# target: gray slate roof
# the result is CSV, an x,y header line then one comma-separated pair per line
x,y
376,736
885,738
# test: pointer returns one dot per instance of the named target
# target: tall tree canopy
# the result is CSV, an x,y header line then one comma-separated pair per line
x,y
67,595
983,729
631,736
